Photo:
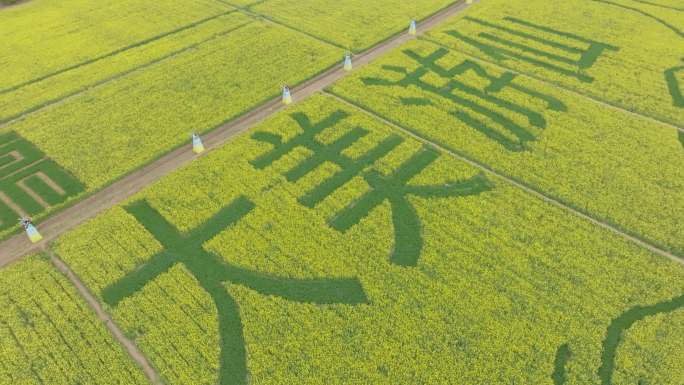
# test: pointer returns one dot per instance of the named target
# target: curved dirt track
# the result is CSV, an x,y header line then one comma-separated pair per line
x,y
19,246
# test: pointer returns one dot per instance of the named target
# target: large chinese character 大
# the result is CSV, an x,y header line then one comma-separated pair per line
x,y
29,181
557,51
212,272
481,106
394,188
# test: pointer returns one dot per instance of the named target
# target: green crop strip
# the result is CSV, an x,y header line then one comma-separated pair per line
x,y
674,85
323,153
502,47
212,273
562,356
408,240
451,87
21,161
395,189
613,338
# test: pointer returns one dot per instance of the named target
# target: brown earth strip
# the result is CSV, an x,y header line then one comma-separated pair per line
x,y
126,343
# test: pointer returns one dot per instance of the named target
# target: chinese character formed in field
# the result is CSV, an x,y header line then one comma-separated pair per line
x,y
564,53
322,153
212,273
394,188
29,181
615,335
479,107
675,83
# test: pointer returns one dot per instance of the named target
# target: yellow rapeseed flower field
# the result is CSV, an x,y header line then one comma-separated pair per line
x,y
503,285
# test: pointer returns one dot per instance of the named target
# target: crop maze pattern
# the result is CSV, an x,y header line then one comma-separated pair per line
x,y
29,181
533,43
395,188
212,273
474,105
614,335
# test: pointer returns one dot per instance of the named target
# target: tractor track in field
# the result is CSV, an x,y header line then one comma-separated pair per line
x,y
128,345
18,246
517,183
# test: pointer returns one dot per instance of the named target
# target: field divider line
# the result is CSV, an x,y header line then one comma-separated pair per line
x,y
18,246
259,16
247,10
120,75
561,87
116,52
129,346
634,238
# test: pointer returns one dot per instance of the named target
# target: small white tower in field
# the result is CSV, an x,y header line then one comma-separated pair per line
x,y
197,145
412,28
287,96
348,62
31,231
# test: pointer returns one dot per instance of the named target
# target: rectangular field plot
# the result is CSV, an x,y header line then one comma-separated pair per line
x,y
323,230
589,46
73,32
106,132
59,86
353,24
613,165
48,335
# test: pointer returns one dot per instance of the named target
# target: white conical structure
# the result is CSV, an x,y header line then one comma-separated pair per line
x,y
347,62
197,145
287,97
412,28
33,234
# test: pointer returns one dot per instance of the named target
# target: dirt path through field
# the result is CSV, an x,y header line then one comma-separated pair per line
x,y
19,246
126,343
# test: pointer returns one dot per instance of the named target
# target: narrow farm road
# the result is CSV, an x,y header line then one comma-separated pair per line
x,y
19,246
126,343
